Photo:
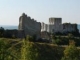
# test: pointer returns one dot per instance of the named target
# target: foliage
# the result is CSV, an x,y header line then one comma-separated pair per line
x,y
11,49
71,53
1,31
7,51
70,36
17,49
29,38
60,40
36,51
64,40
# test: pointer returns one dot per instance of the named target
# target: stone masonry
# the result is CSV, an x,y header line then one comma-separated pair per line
x,y
29,26
55,25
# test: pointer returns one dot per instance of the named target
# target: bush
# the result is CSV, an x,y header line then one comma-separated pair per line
x,y
71,53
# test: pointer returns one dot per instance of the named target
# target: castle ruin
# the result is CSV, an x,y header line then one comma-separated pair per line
x,y
29,26
55,25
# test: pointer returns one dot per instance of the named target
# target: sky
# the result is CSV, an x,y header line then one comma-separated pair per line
x,y
40,10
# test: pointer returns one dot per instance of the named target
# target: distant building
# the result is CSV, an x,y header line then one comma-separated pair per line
x,y
29,26
55,25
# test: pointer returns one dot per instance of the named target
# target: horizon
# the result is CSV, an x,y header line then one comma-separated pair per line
x,y
11,10
17,25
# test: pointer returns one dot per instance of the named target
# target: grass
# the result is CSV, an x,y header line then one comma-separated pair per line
x,y
16,49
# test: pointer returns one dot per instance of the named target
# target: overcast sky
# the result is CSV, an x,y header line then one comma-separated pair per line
x,y
40,10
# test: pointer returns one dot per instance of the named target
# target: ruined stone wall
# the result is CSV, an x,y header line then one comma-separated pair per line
x,y
55,25
44,27
55,21
68,27
30,26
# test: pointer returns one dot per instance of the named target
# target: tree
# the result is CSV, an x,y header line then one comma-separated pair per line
x,y
70,36
1,31
71,52
53,38
29,38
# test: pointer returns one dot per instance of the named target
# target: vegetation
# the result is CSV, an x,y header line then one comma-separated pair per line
x,y
71,52
30,49
1,31
8,33
64,40
11,49
7,49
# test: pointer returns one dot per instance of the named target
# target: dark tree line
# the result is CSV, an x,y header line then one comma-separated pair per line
x,y
8,33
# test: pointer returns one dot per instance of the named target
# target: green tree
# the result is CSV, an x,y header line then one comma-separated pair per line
x,y
70,36
71,52
53,38
1,31
29,38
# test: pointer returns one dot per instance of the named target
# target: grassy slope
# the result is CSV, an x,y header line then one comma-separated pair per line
x,y
13,49
45,51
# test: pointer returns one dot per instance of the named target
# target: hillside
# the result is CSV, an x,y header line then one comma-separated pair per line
x,y
17,49
13,49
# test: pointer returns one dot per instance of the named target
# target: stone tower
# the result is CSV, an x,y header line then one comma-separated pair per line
x,y
55,24
55,21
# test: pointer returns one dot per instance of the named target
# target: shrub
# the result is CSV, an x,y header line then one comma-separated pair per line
x,y
71,52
